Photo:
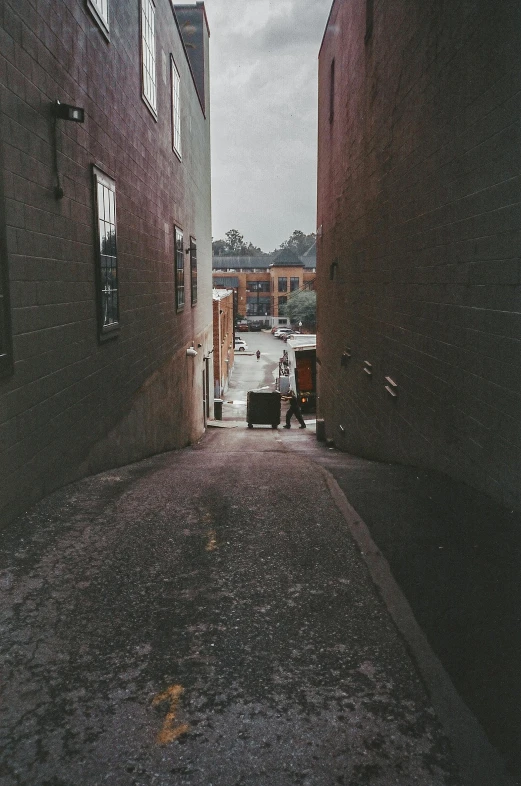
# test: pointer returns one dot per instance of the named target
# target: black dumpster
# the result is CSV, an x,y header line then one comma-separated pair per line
x,y
218,408
263,408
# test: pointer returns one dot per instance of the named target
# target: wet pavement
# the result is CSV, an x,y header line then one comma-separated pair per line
x,y
211,617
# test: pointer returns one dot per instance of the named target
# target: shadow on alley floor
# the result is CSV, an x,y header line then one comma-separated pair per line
x,y
456,555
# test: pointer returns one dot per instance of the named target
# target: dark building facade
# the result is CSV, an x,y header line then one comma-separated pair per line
x,y
418,254
105,237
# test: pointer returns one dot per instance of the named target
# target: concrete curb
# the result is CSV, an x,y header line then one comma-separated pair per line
x,y
480,764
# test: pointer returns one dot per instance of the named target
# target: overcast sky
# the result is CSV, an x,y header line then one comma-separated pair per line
x,y
264,60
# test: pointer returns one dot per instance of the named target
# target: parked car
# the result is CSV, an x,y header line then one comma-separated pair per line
x,y
243,327
277,327
285,336
282,331
254,327
240,345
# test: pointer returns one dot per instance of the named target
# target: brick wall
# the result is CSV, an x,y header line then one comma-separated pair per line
x,y
223,333
73,404
418,272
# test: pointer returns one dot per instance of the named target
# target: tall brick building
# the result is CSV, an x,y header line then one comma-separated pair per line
x,y
105,237
263,284
418,255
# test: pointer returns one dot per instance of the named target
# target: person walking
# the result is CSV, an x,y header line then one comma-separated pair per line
x,y
258,354
293,409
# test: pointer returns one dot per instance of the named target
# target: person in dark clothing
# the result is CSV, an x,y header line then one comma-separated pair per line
x,y
294,409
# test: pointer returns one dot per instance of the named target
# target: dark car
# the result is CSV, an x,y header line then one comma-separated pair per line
x,y
254,327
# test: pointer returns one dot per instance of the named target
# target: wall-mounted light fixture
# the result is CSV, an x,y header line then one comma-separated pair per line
x,y
69,112
391,387
346,356
191,352
63,112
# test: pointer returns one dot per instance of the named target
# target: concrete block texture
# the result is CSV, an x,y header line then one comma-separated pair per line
x,y
72,400
418,255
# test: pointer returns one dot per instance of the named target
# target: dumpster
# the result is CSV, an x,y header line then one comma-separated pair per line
x,y
218,408
263,408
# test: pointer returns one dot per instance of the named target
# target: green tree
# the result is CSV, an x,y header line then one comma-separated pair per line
x,y
301,307
234,242
235,246
299,242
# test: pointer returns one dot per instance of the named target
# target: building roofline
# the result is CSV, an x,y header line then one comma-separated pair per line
x,y
191,6
173,5
327,25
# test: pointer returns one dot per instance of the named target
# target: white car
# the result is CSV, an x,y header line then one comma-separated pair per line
x,y
280,332
240,345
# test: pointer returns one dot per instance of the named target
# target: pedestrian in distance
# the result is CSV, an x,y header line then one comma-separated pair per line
x,y
258,354
293,409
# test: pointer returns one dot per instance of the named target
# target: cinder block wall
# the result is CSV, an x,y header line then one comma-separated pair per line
x,y
418,274
74,405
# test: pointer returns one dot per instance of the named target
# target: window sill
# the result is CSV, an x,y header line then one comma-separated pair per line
x,y
99,21
149,106
107,334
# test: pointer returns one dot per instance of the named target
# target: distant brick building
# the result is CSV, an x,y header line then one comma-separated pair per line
x,y
105,237
418,276
263,284
223,334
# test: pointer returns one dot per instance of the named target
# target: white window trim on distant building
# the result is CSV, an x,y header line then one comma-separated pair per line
x,y
148,55
100,11
176,109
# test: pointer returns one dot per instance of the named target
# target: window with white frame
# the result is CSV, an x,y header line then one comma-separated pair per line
x,y
107,257
148,53
179,265
176,110
100,11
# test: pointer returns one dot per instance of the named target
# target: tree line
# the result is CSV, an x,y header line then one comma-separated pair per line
x,y
234,245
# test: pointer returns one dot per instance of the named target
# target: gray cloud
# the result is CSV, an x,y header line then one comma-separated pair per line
x,y
263,83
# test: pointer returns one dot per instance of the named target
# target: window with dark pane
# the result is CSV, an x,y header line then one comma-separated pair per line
x,y
294,283
332,91
283,284
5,323
369,16
193,269
179,270
107,253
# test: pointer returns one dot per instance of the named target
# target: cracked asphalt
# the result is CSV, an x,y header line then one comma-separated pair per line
x,y
205,618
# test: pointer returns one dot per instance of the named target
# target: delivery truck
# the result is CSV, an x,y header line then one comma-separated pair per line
x,y
302,366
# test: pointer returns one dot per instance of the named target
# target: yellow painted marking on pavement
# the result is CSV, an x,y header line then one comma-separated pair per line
x,y
169,733
212,541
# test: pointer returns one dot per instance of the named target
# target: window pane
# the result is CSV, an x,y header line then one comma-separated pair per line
x,y
176,110
148,40
193,270
108,268
179,276
101,9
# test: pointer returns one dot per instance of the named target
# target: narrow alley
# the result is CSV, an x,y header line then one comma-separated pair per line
x,y
206,617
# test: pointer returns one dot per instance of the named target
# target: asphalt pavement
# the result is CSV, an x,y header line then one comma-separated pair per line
x,y
223,616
